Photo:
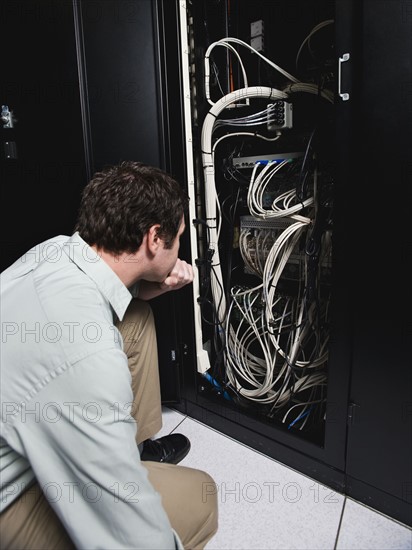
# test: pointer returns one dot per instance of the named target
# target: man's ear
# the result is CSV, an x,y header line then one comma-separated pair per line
x,y
153,239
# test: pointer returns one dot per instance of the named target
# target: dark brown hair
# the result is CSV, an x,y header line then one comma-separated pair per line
x,y
120,204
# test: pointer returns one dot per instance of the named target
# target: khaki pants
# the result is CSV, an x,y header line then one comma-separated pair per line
x,y
30,522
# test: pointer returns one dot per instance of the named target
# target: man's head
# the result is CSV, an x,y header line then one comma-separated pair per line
x,y
121,203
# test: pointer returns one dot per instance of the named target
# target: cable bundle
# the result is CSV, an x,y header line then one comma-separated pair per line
x,y
274,342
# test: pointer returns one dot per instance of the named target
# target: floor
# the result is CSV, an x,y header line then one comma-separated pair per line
x,y
266,505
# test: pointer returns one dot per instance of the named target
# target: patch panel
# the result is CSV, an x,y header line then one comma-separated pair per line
x,y
249,162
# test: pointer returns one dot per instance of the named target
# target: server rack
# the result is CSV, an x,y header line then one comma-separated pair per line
x,y
263,298
274,98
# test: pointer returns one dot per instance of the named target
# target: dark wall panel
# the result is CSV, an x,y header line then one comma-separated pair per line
x,y
122,81
39,82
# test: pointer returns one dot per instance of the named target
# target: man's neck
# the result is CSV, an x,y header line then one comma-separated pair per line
x,y
128,267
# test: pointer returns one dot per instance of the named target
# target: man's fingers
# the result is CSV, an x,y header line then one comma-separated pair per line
x,y
182,274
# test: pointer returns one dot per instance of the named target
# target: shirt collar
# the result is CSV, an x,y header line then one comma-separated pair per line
x,y
97,269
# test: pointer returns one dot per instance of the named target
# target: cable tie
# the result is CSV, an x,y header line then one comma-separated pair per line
x,y
200,261
197,221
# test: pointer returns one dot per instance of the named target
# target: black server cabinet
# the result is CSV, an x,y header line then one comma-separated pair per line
x,y
359,441
319,450
42,159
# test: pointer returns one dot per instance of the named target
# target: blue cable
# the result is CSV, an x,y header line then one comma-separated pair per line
x,y
216,384
299,418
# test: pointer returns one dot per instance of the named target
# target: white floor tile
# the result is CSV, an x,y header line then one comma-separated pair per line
x,y
365,529
171,420
262,503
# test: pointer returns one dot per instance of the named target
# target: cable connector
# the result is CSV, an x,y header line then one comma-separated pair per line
x,y
279,115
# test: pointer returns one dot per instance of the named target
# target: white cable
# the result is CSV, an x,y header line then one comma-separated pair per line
x,y
209,178
207,69
268,374
310,89
248,364
226,42
245,251
251,117
235,134
264,389
256,190
312,32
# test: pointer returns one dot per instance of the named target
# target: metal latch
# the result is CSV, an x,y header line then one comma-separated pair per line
x,y
7,117
343,95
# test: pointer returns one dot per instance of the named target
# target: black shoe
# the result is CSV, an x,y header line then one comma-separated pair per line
x,y
170,448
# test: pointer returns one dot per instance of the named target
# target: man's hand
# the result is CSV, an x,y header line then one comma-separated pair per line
x,y
181,275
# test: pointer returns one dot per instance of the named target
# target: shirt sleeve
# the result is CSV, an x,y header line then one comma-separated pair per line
x,y
79,437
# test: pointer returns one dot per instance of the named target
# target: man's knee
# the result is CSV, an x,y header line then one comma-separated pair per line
x,y
207,511
139,307
138,311
138,319
197,520
189,496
